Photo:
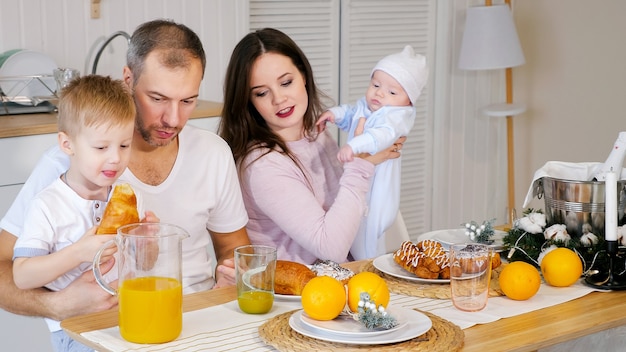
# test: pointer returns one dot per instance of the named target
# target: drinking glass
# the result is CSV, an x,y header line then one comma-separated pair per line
x,y
470,273
63,76
255,266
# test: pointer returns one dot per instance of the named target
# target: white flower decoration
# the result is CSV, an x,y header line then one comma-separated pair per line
x,y
533,222
471,235
557,232
588,239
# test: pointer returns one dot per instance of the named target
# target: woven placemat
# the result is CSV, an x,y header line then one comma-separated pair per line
x,y
443,336
428,290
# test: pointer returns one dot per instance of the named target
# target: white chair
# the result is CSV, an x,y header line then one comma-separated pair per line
x,y
394,236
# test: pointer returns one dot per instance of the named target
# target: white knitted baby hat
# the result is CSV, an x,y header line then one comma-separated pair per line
x,y
408,68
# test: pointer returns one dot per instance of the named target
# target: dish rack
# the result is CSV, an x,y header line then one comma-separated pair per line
x,y
16,94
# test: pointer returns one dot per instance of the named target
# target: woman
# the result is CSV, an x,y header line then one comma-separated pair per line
x,y
299,198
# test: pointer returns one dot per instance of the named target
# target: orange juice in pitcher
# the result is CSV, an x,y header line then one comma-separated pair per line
x,y
150,309
149,281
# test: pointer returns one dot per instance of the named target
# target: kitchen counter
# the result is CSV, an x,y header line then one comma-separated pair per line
x,y
33,124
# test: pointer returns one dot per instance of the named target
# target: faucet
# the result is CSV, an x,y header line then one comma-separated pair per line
x,y
106,42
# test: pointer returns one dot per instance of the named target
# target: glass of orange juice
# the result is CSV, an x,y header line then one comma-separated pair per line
x,y
149,286
255,266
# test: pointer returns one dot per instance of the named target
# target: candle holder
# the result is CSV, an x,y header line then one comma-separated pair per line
x,y
611,277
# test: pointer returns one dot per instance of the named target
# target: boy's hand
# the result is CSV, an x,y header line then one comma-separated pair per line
x,y
90,243
150,217
324,118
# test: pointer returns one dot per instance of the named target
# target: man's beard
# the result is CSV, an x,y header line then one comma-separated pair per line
x,y
146,134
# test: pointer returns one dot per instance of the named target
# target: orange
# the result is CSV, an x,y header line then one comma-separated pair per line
x,y
367,282
519,280
561,267
323,298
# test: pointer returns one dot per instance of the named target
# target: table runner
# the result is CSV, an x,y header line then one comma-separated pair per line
x,y
226,328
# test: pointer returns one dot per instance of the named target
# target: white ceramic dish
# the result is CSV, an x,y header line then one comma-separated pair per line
x,y
417,324
27,63
450,236
345,325
387,265
290,298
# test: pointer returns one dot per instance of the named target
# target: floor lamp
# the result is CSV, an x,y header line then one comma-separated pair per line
x,y
490,42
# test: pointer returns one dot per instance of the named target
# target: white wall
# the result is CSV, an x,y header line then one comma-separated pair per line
x,y
573,83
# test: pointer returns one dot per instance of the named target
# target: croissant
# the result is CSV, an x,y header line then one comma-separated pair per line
x,y
290,277
426,259
121,210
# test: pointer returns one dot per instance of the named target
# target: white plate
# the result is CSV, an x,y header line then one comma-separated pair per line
x,y
28,63
448,237
417,325
345,325
291,298
387,265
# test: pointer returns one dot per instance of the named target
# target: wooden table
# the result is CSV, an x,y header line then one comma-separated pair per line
x,y
592,313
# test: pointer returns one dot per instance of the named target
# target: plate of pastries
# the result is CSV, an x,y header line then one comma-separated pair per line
x,y
291,277
422,261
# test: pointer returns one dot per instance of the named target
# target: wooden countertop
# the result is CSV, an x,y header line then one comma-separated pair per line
x,y
531,331
31,124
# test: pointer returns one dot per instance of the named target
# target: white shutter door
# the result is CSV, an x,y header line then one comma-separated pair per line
x,y
370,30
343,49
314,25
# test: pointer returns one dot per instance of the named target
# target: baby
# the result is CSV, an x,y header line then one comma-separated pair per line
x,y
396,83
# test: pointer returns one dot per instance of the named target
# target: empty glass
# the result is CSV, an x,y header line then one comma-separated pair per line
x,y
470,273
63,76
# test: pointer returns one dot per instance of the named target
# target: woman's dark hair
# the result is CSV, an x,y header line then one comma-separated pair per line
x,y
241,126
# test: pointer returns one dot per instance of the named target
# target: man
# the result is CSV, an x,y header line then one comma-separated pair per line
x,y
186,176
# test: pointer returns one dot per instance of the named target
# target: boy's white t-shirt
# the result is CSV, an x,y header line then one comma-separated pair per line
x,y
58,217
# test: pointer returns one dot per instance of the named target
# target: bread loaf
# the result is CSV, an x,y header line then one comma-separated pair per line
x,y
121,210
290,277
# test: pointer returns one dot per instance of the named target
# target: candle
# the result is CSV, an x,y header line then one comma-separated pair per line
x,y
610,207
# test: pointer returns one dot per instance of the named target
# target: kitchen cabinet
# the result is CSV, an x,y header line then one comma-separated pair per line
x,y
19,156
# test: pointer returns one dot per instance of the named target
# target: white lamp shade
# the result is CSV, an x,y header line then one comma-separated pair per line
x,y
490,40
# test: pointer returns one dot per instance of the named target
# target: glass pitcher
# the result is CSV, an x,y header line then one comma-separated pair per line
x,y
149,289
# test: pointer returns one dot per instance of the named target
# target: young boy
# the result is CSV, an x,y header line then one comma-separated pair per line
x,y
396,83
58,243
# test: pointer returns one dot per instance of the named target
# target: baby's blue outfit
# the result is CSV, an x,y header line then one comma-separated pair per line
x,y
382,128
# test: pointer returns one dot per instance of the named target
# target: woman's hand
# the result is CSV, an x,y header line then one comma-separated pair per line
x,y
392,152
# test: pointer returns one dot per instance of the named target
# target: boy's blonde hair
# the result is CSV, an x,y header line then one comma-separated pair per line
x,y
92,101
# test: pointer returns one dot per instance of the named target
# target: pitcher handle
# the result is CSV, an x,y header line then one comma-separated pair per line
x,y
96,268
